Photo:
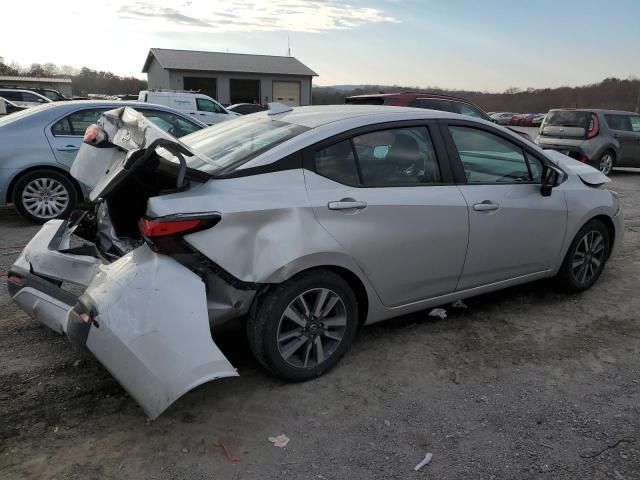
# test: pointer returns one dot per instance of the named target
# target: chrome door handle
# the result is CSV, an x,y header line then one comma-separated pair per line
x,y
68,148
486,206
347,204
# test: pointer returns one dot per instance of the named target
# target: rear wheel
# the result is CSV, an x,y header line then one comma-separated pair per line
x,y
42,195
301,328
586,257
606,162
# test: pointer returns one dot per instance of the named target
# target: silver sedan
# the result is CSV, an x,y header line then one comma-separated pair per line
x,y
308,223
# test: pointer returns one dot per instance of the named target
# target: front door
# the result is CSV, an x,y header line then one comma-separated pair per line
x,y
382,196
513,230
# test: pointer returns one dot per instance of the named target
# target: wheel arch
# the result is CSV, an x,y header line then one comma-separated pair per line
x,y
33,168
608,222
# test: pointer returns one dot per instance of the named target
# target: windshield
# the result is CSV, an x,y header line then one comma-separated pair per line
x,y
24,113
568,118
231,144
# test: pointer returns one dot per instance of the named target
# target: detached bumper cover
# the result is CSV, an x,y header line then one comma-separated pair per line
x,y
145,317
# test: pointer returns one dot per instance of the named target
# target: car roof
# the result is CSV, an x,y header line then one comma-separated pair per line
x,y
595,110
411,94
318,115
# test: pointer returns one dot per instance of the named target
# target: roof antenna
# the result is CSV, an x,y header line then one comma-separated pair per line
x,y
288,46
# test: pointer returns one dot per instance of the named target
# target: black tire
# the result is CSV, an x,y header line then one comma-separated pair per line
x,y
59,205
570,277
264,324
606,162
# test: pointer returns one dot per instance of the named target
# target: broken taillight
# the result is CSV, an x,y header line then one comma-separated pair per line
x,y
164,234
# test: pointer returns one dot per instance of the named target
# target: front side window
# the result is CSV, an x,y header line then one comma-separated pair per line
x,y
466,109
170,123
432,104
206,105
635,123
13,96
489,158
76,123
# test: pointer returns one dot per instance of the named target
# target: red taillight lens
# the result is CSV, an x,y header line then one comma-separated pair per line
x,y
594,126
164,235
583,159
159,228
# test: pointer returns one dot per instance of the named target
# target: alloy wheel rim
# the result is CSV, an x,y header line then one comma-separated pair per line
x,y
606,163
45,197
311,328
588,257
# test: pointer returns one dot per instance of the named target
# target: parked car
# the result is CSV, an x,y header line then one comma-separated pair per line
x,y
432,101
198,105
502,118
7,107
50,93
310,222
40,144
537,119
23,98
602,138
246,108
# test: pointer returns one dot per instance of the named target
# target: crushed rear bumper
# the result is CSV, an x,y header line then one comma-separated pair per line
x,y
144,316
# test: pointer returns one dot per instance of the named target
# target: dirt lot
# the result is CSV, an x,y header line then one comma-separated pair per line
x,y
525,383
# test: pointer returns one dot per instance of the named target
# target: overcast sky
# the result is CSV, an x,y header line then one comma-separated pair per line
x,y
466,44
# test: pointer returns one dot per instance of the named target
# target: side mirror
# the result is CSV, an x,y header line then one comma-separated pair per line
x,y
550,178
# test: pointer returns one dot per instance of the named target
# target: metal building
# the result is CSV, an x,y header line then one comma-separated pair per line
x,y
63,85
231,77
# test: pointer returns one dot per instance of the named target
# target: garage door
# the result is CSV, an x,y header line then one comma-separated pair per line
x,y
287,93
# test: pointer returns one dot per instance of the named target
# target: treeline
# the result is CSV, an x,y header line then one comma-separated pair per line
x,y
83,80
613,93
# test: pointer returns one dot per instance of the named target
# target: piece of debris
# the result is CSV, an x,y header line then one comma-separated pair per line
x,y
227,453
438,312
77,363
459,304
387,423
185,450
425,461
279,441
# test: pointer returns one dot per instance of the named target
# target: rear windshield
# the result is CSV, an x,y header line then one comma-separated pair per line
x,y
568,118
230,144
366,100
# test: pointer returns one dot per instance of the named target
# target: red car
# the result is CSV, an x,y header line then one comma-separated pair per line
x,y
431,101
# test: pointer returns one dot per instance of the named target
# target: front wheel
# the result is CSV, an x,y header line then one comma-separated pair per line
x,y
301,328
586,257
42,195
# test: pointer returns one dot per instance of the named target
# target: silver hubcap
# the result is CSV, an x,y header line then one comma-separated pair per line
x,y
606,164
311,328
45,198
589,257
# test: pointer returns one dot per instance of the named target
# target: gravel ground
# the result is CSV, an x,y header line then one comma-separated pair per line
x,y
524,383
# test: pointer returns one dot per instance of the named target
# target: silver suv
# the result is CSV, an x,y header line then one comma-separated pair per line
x,y
602,138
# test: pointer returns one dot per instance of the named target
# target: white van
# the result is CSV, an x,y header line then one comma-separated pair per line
x,y
198,105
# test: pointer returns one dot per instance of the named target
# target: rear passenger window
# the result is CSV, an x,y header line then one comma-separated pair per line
x,y
397,157
76,123
489,158
338,163
465,109
618,122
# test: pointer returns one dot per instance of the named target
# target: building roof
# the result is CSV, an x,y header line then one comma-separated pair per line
x,y
34,79
226,62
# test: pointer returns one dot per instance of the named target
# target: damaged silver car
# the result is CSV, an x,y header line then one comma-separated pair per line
x,y
306,222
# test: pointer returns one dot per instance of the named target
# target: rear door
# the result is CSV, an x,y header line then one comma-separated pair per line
x,y
65,136
635,127
620,126
513,230
386,195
